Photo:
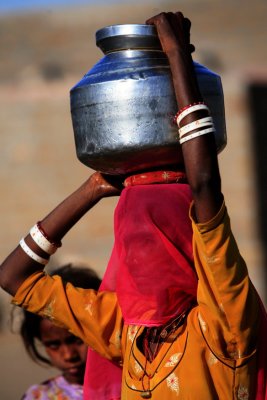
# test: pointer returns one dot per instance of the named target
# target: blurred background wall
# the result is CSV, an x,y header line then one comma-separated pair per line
x,y
43,54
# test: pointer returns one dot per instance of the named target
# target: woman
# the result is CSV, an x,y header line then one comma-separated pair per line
x,y
184,319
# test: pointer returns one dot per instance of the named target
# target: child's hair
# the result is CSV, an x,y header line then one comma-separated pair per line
x,y
82,277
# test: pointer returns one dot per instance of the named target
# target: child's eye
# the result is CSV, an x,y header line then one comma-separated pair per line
x,y
74,340
52,346
78,341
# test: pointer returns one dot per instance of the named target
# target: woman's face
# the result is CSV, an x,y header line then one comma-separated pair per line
x,y
65,351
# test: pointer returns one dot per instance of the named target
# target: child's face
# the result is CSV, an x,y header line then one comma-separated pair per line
x,y
66,351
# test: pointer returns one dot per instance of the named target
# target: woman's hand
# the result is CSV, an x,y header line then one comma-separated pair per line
x,y
106,185
173,31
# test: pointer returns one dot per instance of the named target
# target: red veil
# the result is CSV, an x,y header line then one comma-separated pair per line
x,y
150,268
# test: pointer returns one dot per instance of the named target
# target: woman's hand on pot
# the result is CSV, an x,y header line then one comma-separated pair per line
x,y
106,185
174,34
173,31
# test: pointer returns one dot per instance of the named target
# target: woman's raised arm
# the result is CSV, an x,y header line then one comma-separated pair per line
x,y
200,154
29,256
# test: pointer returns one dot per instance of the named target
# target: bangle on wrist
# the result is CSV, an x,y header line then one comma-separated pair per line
x,y
42,241
199,123
52,242
197,134
31,254
190,108
185,108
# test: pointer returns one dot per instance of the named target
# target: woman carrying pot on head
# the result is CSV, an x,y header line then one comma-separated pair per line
x,y
177,309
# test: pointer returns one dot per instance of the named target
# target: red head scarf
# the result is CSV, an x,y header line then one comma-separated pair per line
x,y
153,253
150,268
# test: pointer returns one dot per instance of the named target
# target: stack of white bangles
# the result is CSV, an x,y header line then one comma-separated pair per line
x,y
42,240
199,124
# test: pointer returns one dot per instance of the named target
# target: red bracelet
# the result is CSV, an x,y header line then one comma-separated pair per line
x,y
185,108
56,244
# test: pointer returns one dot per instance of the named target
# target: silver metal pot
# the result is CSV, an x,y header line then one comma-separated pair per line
x,y
123,108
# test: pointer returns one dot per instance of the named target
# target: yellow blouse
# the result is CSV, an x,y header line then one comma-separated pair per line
x,y
211,356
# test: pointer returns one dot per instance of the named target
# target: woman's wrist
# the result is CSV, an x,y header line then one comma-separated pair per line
x,y
91,191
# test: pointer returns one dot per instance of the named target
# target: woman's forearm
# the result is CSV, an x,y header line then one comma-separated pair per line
x,y
200,154
71,210
19,265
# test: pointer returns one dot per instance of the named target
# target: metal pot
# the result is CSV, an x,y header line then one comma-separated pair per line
x,y
123,108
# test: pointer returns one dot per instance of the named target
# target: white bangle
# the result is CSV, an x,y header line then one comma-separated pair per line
x,y
196,134
190,110
41,240
31,254
199,123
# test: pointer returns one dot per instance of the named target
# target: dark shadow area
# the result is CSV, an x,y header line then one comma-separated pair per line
x,y
257,98
51,71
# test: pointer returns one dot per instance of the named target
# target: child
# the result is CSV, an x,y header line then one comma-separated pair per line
x,y
184,321
64,350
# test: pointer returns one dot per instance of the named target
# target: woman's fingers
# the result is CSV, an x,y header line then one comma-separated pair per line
x,y
154,20
165,31
173,31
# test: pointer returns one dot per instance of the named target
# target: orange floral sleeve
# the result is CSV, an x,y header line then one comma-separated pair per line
x,y
228,302
93,316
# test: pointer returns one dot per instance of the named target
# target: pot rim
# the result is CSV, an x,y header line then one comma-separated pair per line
x,y
125,30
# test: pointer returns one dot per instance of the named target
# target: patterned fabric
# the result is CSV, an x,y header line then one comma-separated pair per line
x,y
54,389
148,178
183,370
212,356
